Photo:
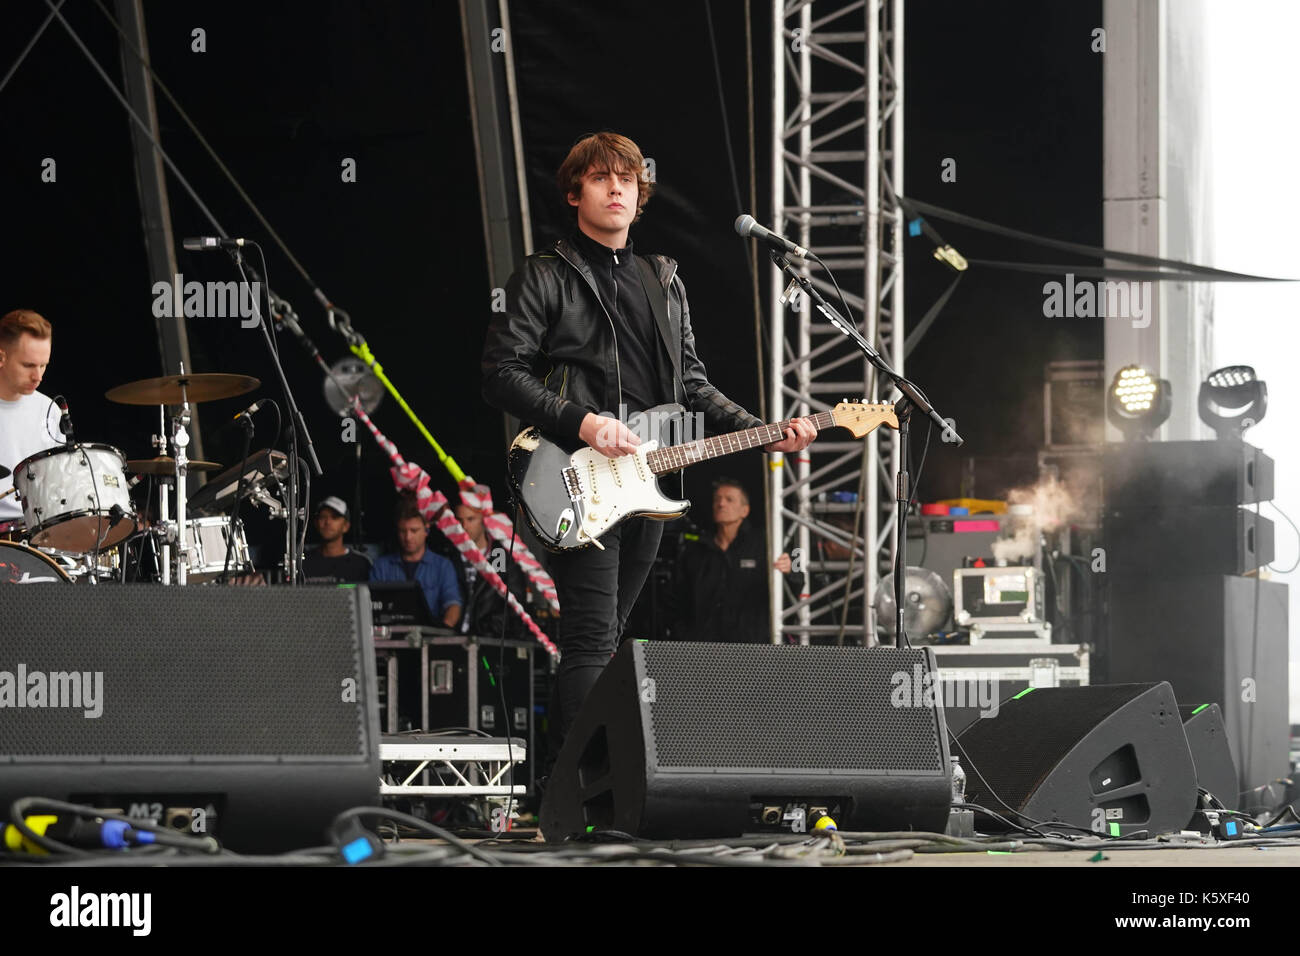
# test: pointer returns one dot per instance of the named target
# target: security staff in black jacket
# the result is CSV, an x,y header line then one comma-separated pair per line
x,y
580,334
721,580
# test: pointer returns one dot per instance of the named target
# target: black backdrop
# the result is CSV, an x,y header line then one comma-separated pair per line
x,y
286,91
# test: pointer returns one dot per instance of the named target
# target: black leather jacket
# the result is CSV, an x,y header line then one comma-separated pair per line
x,y
552,356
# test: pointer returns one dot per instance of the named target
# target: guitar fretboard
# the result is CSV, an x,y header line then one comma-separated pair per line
x,y
676,457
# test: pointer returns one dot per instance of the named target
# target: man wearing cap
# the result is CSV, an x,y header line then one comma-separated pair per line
x,y
334,562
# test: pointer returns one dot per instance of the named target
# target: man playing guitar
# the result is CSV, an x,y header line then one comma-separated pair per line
x,y
590,326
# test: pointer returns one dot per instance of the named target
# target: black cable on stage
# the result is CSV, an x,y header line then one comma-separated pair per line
x,y
968,763
384,813
162,835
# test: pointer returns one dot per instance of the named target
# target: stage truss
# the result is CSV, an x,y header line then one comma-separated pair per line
x,y
837,162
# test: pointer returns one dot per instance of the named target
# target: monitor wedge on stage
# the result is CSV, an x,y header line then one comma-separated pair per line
x,y
682,739
1110,758
1216,771
247,714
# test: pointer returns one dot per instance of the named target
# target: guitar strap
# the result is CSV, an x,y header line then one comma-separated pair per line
x,y
655,292
658,296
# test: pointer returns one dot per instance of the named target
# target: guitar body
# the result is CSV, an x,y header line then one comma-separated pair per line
x,y
571,496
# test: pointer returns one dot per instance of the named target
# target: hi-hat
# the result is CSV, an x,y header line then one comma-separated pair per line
x,y
175,389
163,465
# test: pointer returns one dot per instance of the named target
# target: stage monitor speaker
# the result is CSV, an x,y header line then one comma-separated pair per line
x,y
1185,474
686,739
245,713
1112,759
1208,739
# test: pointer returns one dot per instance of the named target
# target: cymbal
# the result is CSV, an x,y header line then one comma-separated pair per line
x,y
163,465
174,389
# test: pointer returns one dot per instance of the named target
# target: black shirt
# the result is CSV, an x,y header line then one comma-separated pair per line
x,y
722,595
642,360
346,568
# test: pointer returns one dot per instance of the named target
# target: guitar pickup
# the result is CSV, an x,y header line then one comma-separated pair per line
x,y
572,483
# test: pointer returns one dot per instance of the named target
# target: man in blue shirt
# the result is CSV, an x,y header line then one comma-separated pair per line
x,y
415,562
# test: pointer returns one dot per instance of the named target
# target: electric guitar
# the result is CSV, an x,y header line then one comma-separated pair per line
x,y
572,497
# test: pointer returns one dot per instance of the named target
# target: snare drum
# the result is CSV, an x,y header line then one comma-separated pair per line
x,y
205,550
20,564
75,498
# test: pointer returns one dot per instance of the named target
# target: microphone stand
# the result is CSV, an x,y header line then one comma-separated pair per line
x,y
913,399
297,429
246,425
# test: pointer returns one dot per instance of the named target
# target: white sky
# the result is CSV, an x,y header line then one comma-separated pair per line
x,y
1254,78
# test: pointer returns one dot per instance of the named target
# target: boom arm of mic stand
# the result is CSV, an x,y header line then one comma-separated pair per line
x,y
875,358
295,413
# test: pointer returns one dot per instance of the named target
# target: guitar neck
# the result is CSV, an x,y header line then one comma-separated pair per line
x,y
677,457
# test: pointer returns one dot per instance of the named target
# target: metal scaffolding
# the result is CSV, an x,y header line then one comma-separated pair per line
x,y
837,163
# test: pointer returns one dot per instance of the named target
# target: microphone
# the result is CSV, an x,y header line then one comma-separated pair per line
x,y
747,227
65,420
204,243
250,411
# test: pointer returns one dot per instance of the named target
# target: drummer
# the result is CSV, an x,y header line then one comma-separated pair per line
x,y
29,420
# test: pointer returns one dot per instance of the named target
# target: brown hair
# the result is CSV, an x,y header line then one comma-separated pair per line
x,y
20,321
610,152
407,508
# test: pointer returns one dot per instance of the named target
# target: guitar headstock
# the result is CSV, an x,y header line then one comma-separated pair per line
x,y
861,418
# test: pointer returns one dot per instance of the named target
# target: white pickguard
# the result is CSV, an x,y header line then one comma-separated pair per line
x,y
616,488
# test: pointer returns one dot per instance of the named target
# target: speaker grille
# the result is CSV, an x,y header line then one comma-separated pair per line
x,y
758,708
192,673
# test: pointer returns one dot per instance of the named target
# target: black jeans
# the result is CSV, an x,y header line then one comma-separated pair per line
x,y
597,590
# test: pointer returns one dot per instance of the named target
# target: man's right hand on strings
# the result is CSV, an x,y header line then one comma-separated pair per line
x,y
608,436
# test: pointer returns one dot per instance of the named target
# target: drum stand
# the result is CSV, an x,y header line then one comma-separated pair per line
x,y
173,533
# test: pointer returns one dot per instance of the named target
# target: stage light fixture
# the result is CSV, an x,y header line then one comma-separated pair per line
x,y
1136,403
1231,400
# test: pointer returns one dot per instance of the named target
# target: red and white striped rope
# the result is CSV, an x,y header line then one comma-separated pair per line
x,y
501,528
434,507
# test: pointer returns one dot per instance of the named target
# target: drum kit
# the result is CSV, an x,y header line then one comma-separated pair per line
x,y
79,521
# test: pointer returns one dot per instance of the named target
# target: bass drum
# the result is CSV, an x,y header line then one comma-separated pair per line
x,y
20,564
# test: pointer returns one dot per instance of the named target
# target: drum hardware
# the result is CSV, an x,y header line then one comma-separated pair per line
x,y
176,390
107,567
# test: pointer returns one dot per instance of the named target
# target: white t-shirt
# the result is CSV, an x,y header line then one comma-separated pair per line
x,y
28,425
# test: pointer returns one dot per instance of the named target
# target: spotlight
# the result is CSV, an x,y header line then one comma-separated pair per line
x,y
1137,404
1231,400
